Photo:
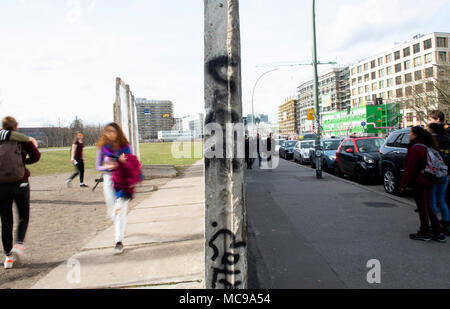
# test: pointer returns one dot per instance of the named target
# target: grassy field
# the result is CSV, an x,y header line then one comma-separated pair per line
x,y
57,162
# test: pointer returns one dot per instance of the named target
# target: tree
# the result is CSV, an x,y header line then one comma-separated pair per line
x,y
433,94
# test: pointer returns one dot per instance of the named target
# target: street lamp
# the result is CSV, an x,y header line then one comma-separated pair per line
x,y
318,152
253,94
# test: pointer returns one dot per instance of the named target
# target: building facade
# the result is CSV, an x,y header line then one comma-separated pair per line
x,y
334,96
407,74
287,118
193,123
153,116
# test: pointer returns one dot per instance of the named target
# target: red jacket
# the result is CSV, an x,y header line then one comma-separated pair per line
x,y
30,155
415,163
127,175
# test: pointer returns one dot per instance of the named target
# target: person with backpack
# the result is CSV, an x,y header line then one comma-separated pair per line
x,y
14,187
422,168
115,158
438,197
77,158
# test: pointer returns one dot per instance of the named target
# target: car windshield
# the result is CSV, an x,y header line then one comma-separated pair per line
x,y
308,145
331,145
290,143
369,145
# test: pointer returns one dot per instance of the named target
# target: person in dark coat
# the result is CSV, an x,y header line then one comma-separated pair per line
x,y
415,163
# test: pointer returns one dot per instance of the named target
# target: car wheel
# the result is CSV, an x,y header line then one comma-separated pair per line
x,y
337,171
389,180
360,176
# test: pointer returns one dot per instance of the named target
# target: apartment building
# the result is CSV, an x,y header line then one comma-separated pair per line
x,y
334,96
153,116
287,117
403,74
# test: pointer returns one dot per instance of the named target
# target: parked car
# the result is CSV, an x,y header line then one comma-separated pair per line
x,y
329,146
302,150
358,157
287,149
391,164
278,143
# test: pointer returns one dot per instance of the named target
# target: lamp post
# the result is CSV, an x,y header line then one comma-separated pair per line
x,y
318,152
253,94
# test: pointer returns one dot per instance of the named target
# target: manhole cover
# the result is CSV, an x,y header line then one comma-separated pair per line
x,y
379,205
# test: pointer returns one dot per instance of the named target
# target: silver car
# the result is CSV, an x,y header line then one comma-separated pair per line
x,y
302,150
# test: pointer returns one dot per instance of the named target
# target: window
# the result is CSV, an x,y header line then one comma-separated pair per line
x,y
390,94
374,86
380,61
381,73
388,70
399,93
354,91
353,81
346,145
403,140
398,80
390,82
374,75
408,78
366,66
442,56
359,79
397,55
358,69
428,58
388,58
382,95
360,90
416,48
381,84
406,51
398,67
417,62
429,72
391,140
417,75
429,86
366,88
409,118
366,77
353,71
419,88
407,65
442,42
427,44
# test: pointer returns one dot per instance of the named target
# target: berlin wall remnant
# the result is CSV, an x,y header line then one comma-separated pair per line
x,y
125,114
225,214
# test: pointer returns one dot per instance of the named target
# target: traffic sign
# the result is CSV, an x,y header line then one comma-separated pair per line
x,y
310,114
363,124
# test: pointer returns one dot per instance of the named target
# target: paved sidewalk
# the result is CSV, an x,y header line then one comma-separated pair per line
x,y
164,244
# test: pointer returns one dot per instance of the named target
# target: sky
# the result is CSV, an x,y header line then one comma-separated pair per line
x,y
60,58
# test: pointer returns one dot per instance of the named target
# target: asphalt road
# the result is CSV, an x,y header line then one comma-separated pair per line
x,y
309,233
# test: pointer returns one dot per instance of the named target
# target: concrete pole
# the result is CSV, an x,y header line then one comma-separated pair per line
x,y
225,215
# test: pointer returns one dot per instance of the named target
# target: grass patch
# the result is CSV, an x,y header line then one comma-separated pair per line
x,y
57,162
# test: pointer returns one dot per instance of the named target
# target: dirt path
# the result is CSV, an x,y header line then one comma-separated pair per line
x,y
62,221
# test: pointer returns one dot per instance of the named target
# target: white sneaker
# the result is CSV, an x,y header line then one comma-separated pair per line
x,y
19,252
118,249
68,183
9,262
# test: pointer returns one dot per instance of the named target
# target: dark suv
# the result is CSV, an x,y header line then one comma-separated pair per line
x,y
358,157
393,154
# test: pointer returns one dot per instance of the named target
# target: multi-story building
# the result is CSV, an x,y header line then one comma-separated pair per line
x,y
193,123
287,117
407,74
334,96
153,116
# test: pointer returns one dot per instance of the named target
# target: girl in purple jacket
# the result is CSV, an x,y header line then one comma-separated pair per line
x,y
112,147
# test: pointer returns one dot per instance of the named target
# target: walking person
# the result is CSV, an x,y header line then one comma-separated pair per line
x,y
77,158
111,150
415,164
14,187
438,197
258,149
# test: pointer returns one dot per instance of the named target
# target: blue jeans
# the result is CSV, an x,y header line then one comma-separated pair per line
x,y
439,198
